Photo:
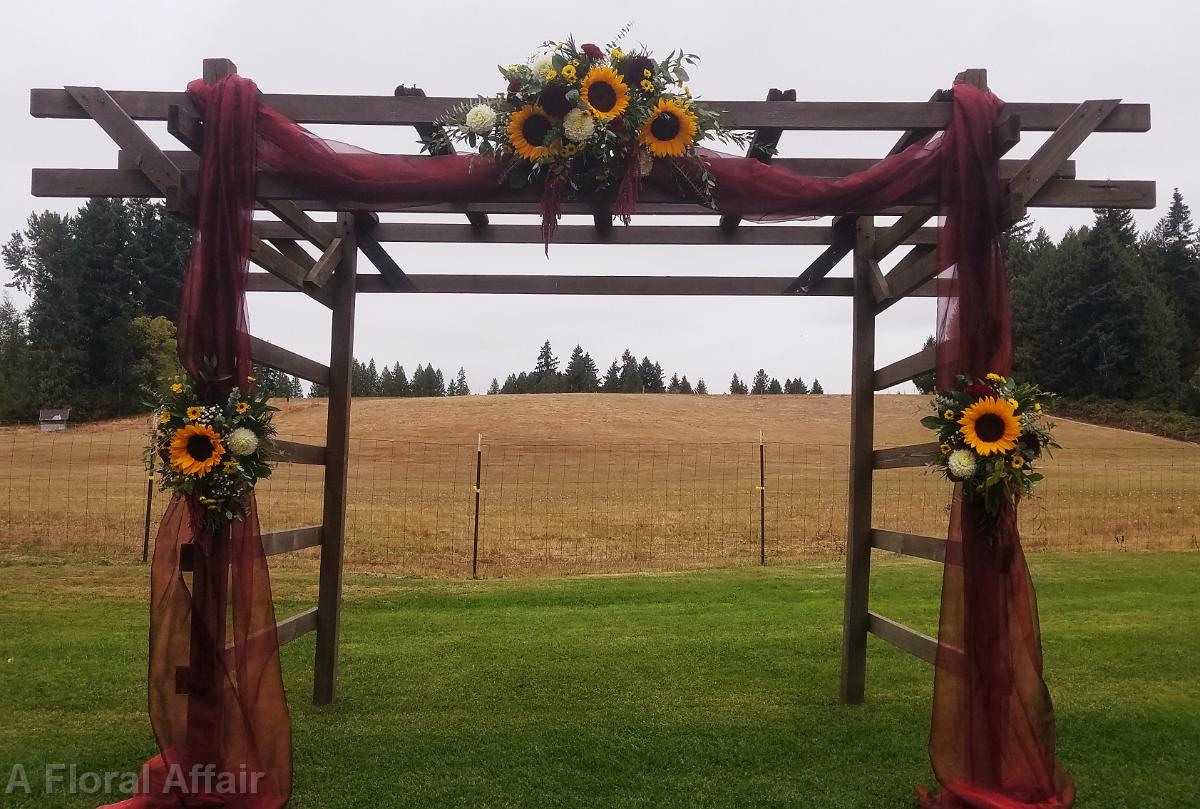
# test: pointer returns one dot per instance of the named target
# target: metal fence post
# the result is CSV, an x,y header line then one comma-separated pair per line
x,y
762,501
475,539
149,508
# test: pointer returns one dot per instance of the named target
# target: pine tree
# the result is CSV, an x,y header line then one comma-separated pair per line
x,y
1172,253
774,387
439,382
494,388
631,378
460,384
737,386
673,387
1118,221
612,379
761,382
16,389
701,388
684,385
372,378
547,363
387,384
817,390
581,374
316,391
926,383
651,375
452,388
400,381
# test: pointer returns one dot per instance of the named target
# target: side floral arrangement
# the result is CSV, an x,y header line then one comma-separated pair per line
x,y
586,120
215,453
991,435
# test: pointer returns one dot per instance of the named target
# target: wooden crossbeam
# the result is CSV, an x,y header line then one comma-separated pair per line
x,y
293,251
296,625
903,370
917,545
149,159
902,637
297,453
322,269
288,362
904,457
913,272
318,233
365,223
285,269
291,539
828,167
445,232
762,145
799,115
1083,121
459,283
840,246
187,128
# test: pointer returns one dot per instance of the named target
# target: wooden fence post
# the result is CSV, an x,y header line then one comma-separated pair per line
x,y
862,439
337,452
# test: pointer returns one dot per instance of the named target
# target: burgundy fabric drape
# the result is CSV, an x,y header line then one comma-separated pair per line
x,y
992,741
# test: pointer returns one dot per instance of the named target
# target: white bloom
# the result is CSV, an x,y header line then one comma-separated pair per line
x,y
962,464
242,441
645,162
579,125
542,63
480,119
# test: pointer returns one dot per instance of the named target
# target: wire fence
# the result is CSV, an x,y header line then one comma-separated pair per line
x,y
570,508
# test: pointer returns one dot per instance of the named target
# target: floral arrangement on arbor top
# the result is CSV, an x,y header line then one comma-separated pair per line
x,y
585,120
991,432
214,453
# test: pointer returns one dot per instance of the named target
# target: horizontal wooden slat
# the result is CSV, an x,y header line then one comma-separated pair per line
x,y
293,539
429,283
295,452
296,625
441,232
413,110
1135,194
903,457
902,637
903,370
918,545
808,166
289,362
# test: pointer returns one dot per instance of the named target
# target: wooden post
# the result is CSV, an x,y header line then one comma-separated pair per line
x,y
862,429
337,452
149,510
478,480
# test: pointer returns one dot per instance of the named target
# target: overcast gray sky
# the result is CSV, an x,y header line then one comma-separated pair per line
x,y
1034,51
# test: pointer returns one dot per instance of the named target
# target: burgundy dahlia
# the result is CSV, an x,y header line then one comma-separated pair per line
x,y
979,390
515,85
635,69
592,51
553,99
1031,443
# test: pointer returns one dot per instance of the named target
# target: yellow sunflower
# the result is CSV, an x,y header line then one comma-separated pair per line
x,y
527,131
195,449
241,407
670,129
990,426
604,93
193,413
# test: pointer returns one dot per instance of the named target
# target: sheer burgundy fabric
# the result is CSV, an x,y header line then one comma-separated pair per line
x,y
992,741
218,708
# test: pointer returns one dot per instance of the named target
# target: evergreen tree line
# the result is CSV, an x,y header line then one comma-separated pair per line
x,y
367,380
762,384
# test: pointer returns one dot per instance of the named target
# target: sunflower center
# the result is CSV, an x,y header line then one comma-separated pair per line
x,y
535,128
989,427
665,126
602,96
200,447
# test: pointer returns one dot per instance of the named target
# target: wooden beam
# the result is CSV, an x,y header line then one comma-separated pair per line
x,y
800,115
879,284
905,457
296,625
1135,194
317,233
902,637
295,452
762,144
186,127
291,539
840,246
337,439
1083,121
456,283
902,230
449,233
293,252
903,370
165,176
289,362
911,274
862,437
323,269
366,222
428,132
922,547
285,269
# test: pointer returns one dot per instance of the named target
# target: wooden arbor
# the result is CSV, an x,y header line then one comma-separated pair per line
x,y
319,258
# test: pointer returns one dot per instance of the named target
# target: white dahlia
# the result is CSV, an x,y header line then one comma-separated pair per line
x,y
480,119
242,441
645,162
962,464
542,63
579,125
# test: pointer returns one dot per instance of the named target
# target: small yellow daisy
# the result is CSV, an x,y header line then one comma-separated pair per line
x,y
996,378
549,75
944,449
948,415
1017,462
1037,407
242,407
193,413
177,388
568,72
647,73
617,53
231,466
1014,403
164,417
647,85
251,379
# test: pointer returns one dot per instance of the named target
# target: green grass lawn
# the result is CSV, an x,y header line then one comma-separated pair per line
x,y
714,689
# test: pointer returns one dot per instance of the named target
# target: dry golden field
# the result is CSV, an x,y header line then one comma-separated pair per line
x,y
597,483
